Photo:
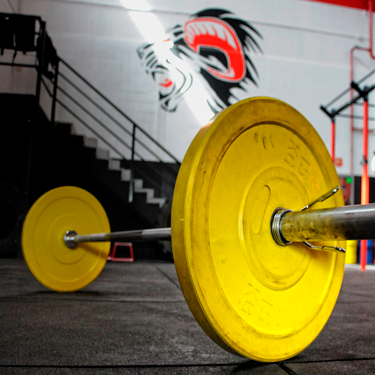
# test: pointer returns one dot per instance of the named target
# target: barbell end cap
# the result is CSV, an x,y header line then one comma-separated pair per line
x,y
276,218
69,239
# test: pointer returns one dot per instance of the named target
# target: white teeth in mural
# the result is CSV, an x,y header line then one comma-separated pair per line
x,y
209,28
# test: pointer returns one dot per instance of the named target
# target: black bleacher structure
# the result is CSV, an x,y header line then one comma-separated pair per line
x,y
39,153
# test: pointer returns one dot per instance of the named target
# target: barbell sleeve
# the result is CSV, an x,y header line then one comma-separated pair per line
x,y
329,224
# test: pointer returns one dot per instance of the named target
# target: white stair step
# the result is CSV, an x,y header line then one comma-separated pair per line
x,y
138,184
149,192
90,142
102,154
73,130
114,165
125,174
159,201
138,188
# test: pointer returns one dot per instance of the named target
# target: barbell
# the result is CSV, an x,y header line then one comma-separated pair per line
x,y
241,228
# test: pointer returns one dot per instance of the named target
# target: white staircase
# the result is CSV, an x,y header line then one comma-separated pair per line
x,y
115,165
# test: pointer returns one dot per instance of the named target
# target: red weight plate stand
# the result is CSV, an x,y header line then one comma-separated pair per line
x,y
113,253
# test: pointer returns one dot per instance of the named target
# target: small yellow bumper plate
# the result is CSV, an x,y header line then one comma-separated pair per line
x,y
51,262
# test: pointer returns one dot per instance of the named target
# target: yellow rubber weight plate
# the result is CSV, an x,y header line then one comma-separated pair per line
x,y
51,262
251,296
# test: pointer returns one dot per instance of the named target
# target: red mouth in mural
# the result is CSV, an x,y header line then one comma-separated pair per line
x,y
213,48
166,83
213,33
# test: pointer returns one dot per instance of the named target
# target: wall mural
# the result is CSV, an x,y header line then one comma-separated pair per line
x,y
213,47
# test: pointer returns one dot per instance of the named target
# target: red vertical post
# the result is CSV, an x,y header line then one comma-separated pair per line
x,y
365,182
333,139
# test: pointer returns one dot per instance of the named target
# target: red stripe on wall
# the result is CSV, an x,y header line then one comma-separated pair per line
x,y
358,4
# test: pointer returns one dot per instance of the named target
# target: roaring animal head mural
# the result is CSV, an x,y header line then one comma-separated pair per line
x,y
213,43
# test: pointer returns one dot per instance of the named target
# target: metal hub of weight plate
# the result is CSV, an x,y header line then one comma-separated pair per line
x,y
251,296
51,262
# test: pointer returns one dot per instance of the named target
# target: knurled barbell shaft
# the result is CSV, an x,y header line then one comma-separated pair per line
x,y
133,235
342,223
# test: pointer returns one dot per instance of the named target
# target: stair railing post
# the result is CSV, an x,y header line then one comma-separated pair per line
x,y
41,62
33,120
54,94
131,186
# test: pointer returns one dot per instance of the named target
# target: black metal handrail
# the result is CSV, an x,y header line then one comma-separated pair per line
x,y
112,119
46,58
119,110
132,134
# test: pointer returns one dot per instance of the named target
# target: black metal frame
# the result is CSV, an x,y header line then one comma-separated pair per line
x,y
362,93
42,66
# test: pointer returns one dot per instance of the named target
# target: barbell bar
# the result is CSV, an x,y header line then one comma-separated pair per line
x,y
72,239
330,224
240,240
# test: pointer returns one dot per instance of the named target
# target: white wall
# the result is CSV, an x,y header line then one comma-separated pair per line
x,y
305,59
9,6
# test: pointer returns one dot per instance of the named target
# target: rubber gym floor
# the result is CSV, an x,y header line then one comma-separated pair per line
x,y
133,319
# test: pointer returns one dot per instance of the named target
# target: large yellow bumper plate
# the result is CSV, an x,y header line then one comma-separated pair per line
x,y
251,296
